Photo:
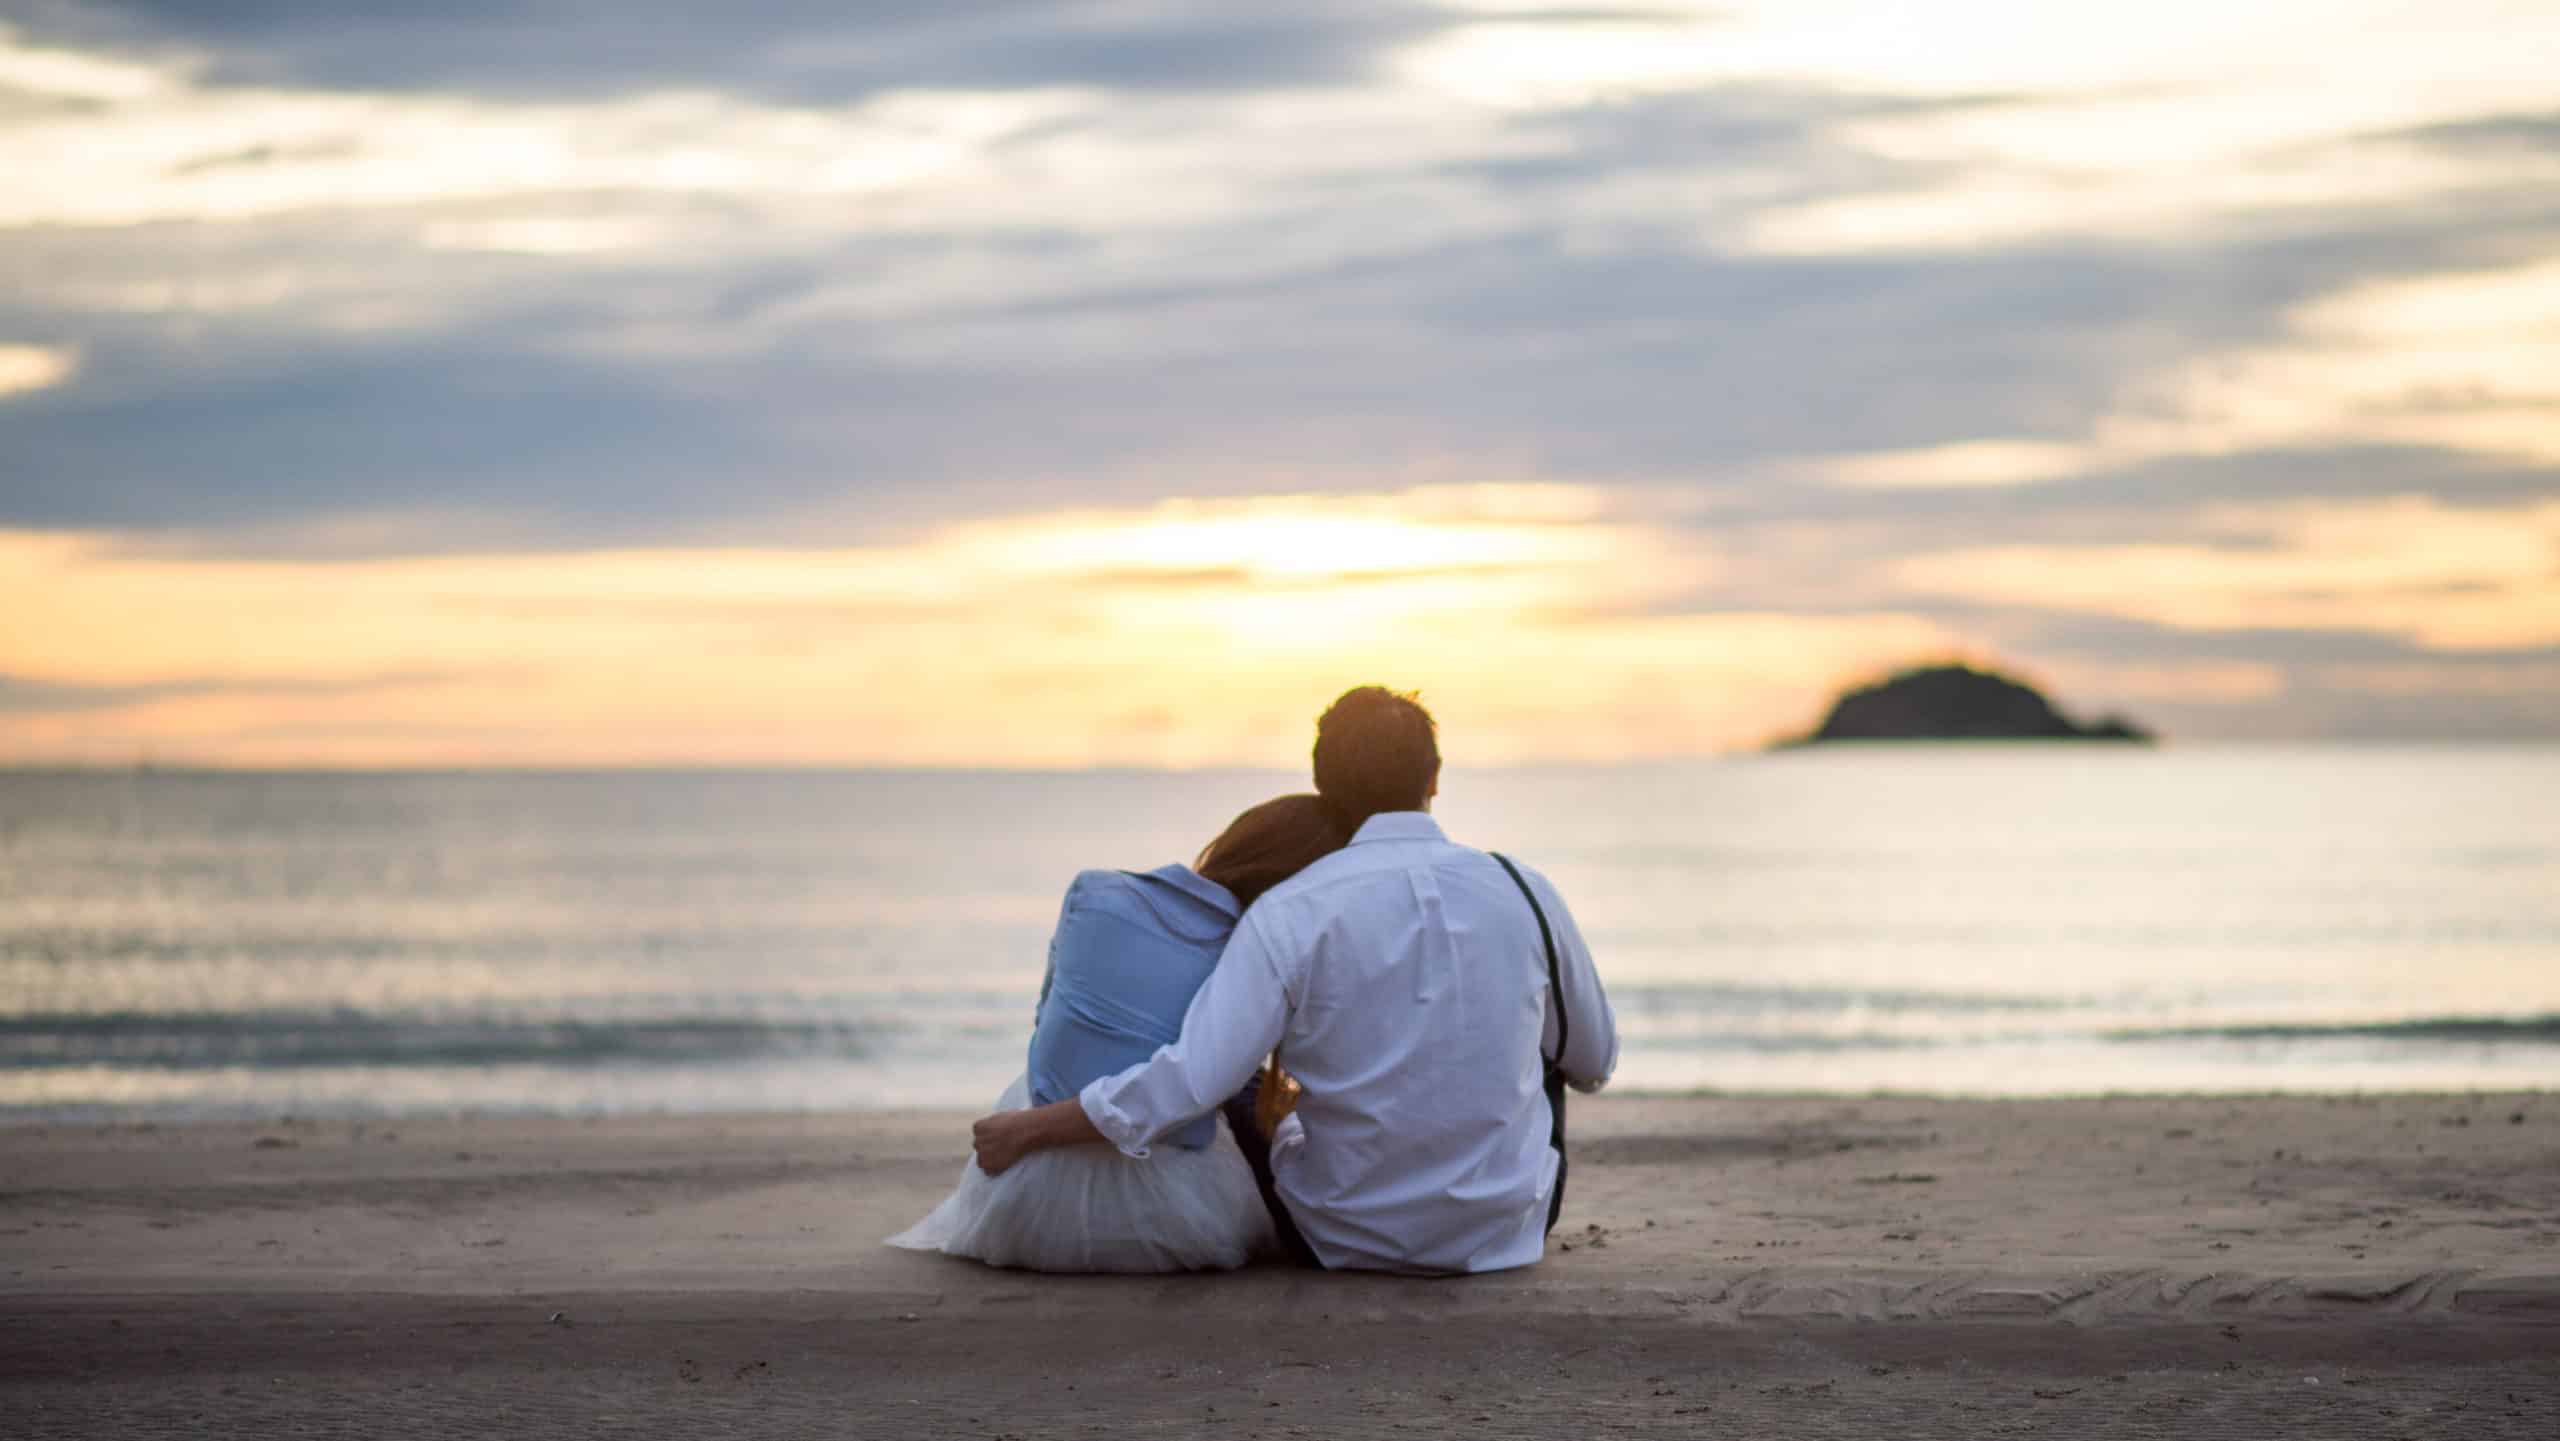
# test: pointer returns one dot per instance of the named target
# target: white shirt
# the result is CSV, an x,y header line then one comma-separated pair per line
x,y
1402,982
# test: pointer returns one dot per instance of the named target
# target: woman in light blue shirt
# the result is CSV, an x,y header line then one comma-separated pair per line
x,y
1129,951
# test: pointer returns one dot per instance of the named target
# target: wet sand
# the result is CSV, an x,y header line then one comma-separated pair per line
x,y
2332,1266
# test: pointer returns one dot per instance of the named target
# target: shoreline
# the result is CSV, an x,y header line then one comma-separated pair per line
x,y
24,1123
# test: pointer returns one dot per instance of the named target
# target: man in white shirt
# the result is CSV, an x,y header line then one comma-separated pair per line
x,y
1403,981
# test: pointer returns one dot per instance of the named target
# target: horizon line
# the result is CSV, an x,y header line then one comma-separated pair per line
x,y
36,767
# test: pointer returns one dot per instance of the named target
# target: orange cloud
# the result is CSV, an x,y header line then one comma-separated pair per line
x,y
1189,633
2448,578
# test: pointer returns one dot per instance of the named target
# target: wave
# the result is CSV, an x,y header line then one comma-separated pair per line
x,y
1800,1039
289,1039
1744,998
2544,1029
1777,1020
295,1040
1640,1029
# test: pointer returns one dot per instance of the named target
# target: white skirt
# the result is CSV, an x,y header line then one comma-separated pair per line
x,y
1090,1208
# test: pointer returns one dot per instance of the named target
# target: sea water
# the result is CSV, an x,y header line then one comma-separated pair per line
x,y
1981,920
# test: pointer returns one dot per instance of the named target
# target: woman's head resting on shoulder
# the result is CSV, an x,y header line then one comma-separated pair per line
x,y
1270,843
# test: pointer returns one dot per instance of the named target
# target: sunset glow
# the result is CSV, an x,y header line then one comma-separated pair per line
x,y
1188,634
1106,387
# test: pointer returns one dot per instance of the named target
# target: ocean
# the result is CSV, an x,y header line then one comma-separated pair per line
x,y
1974,920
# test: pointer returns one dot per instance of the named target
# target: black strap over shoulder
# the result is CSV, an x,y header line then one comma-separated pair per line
x,y
1547,938
1553,1079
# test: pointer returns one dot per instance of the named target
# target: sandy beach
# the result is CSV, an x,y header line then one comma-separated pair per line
x,y
2303,1266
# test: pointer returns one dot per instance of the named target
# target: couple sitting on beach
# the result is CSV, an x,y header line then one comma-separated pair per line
x,y
1386,1019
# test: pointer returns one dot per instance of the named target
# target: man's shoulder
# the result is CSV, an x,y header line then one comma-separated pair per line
x,y
1527,871
1334,879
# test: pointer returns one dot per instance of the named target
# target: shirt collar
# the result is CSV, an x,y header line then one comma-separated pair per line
x,y
1398,826
1199,887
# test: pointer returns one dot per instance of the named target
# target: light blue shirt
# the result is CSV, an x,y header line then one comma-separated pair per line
x,y
1129,953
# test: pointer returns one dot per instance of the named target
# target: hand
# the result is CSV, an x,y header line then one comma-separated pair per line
x,y
1000,1140
1274,1097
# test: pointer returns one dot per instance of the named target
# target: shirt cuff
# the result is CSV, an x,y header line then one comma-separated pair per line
x,y
1117,1126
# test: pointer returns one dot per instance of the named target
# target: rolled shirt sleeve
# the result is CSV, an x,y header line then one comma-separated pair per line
x,y
1234,1021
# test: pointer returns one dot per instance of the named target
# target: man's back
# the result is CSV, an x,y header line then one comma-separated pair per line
x,y
1404,984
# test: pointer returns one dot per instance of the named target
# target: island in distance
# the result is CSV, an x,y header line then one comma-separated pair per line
x,y
1956,702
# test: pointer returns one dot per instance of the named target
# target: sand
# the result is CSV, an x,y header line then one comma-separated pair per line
x,y
2266,1266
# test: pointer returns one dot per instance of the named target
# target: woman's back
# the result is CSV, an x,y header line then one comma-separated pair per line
x,y
1129,951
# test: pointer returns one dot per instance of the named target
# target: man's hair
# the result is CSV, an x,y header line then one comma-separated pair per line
x,y
1375,751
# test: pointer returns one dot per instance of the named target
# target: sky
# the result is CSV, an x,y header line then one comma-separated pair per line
x,y
1062,384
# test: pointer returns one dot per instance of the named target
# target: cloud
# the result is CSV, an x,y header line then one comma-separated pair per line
x,y
2357,704
916,650
1959,465
314,435
556,412
524,296
2446,578
1828,309
784,50
34,367
2108,638
1545,620
23,695
2537,132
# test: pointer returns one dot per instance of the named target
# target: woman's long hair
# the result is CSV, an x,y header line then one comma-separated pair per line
x,y
1270,843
